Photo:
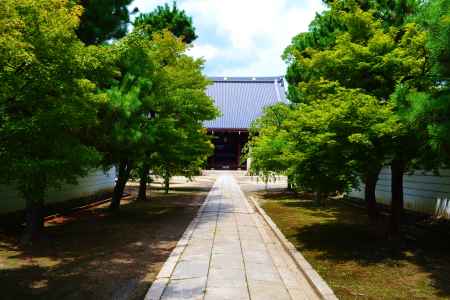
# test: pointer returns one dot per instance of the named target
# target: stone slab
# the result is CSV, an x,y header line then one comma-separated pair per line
x,y
226,293
263,290
229,251
191,288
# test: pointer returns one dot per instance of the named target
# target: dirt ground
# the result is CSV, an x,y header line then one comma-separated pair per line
x,y
93,254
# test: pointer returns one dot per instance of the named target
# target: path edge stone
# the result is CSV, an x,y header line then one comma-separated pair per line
x,y
161,281
317,282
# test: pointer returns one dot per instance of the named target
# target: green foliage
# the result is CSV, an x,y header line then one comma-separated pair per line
x,y
267,141
66,108
170,18
429,104
435,18
184,153
324,144
348,118
355,43
394,12
182,145
48,98
103,20
364,56
156,110
125,122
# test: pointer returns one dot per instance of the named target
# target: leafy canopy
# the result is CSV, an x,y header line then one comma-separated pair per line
x,y
322,144
364,54
170,18
182,145
429,104
47,95
158,106
103,20
342,73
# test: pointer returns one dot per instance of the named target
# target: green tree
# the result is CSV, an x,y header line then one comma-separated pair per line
x,y
185,156
325,28
127,128
268,138
423,102
371,53
324,143
103,20
160,92
170,18
46,100
429,104
177,22
182,145
348,131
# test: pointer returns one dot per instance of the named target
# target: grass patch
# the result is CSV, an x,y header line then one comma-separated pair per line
x,y
354,258
92,254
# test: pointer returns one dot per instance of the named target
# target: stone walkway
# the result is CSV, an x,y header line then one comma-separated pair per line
x,y
229,252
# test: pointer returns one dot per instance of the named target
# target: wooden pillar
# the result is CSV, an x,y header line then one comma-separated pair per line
x,y
238,158
212,160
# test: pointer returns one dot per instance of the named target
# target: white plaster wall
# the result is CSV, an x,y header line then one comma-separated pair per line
x,y
96,181
421,189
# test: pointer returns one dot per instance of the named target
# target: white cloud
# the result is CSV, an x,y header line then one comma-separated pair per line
x,y
244,37
204,50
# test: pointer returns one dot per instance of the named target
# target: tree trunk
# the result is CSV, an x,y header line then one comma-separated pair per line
x,y
34,219
289,183
370,184
122,179
166,183
142,195
397,172
320,197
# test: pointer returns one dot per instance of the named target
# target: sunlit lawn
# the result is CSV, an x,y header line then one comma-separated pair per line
x,y
355,258
96,255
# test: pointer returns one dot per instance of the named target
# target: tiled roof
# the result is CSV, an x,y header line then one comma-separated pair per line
x,y
242,99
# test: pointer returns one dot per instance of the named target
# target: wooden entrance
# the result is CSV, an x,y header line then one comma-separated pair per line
x,y
228,145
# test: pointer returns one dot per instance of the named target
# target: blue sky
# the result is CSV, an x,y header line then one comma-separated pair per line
x,y
243,37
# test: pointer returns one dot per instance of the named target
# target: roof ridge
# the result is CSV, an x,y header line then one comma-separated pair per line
x,y
246,79
243,99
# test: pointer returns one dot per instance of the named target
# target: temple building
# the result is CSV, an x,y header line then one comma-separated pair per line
x,y
241,100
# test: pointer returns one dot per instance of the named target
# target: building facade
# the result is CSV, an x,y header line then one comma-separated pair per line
x,y
241,100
